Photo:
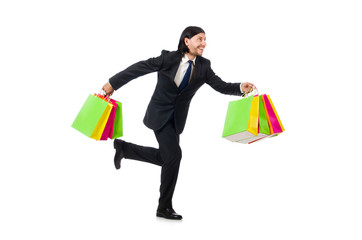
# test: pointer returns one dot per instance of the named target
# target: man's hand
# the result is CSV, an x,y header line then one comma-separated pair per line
x,y
107,88
247,87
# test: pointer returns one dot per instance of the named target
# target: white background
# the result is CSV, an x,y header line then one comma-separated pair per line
x,y
55,183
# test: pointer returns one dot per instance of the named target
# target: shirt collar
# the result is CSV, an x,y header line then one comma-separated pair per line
x,y
185,59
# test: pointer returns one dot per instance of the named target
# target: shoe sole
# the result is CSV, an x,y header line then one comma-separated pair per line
x,y
163,216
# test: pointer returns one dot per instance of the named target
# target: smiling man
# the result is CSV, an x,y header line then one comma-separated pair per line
x,y
180,74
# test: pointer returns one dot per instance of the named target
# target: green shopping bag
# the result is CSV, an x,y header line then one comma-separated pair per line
x,y
263,130
92,112
118,122
263,121
242,119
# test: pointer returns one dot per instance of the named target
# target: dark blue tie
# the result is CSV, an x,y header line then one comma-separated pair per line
x,y
186,78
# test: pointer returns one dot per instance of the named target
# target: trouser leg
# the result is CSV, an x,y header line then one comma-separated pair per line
x,y
170,153
168,156
142,153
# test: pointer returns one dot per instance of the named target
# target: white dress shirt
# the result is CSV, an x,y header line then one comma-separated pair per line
x,y
182,68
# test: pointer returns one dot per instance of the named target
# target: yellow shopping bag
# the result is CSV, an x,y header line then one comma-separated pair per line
x,y
254,116
98,130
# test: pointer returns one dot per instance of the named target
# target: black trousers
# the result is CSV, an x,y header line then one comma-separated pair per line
x,y
168,156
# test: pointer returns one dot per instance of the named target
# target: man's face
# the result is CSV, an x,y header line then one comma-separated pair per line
x,y
196,44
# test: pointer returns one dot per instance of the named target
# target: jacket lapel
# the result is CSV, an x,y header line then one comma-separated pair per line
x,y
175,65
196,74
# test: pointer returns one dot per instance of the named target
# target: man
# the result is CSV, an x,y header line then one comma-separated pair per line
x,y
180,74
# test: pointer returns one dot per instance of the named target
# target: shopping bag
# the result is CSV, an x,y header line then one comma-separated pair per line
x,y
242,119
263,125
271,119
98,131
118,122
274,122
92,115
114,127
108,129
251,119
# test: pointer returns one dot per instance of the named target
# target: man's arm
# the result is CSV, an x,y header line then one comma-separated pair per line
x,y
132,72
238,89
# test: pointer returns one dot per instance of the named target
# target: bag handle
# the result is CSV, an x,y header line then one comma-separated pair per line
x,y
103,96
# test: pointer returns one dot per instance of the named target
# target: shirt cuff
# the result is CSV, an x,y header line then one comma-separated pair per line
x,y
110,84
241,90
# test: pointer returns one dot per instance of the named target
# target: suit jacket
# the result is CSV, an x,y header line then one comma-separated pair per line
x,y
166,99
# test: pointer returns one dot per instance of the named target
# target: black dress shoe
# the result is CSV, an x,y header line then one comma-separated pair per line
x,y
168,213
117,143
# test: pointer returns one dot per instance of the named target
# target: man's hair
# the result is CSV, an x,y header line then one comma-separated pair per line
x,y
189,32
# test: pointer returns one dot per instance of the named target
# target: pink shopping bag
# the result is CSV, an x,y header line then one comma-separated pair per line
x,y
108,130
275,124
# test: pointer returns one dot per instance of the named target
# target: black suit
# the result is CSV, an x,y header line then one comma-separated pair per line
x,y
167,112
